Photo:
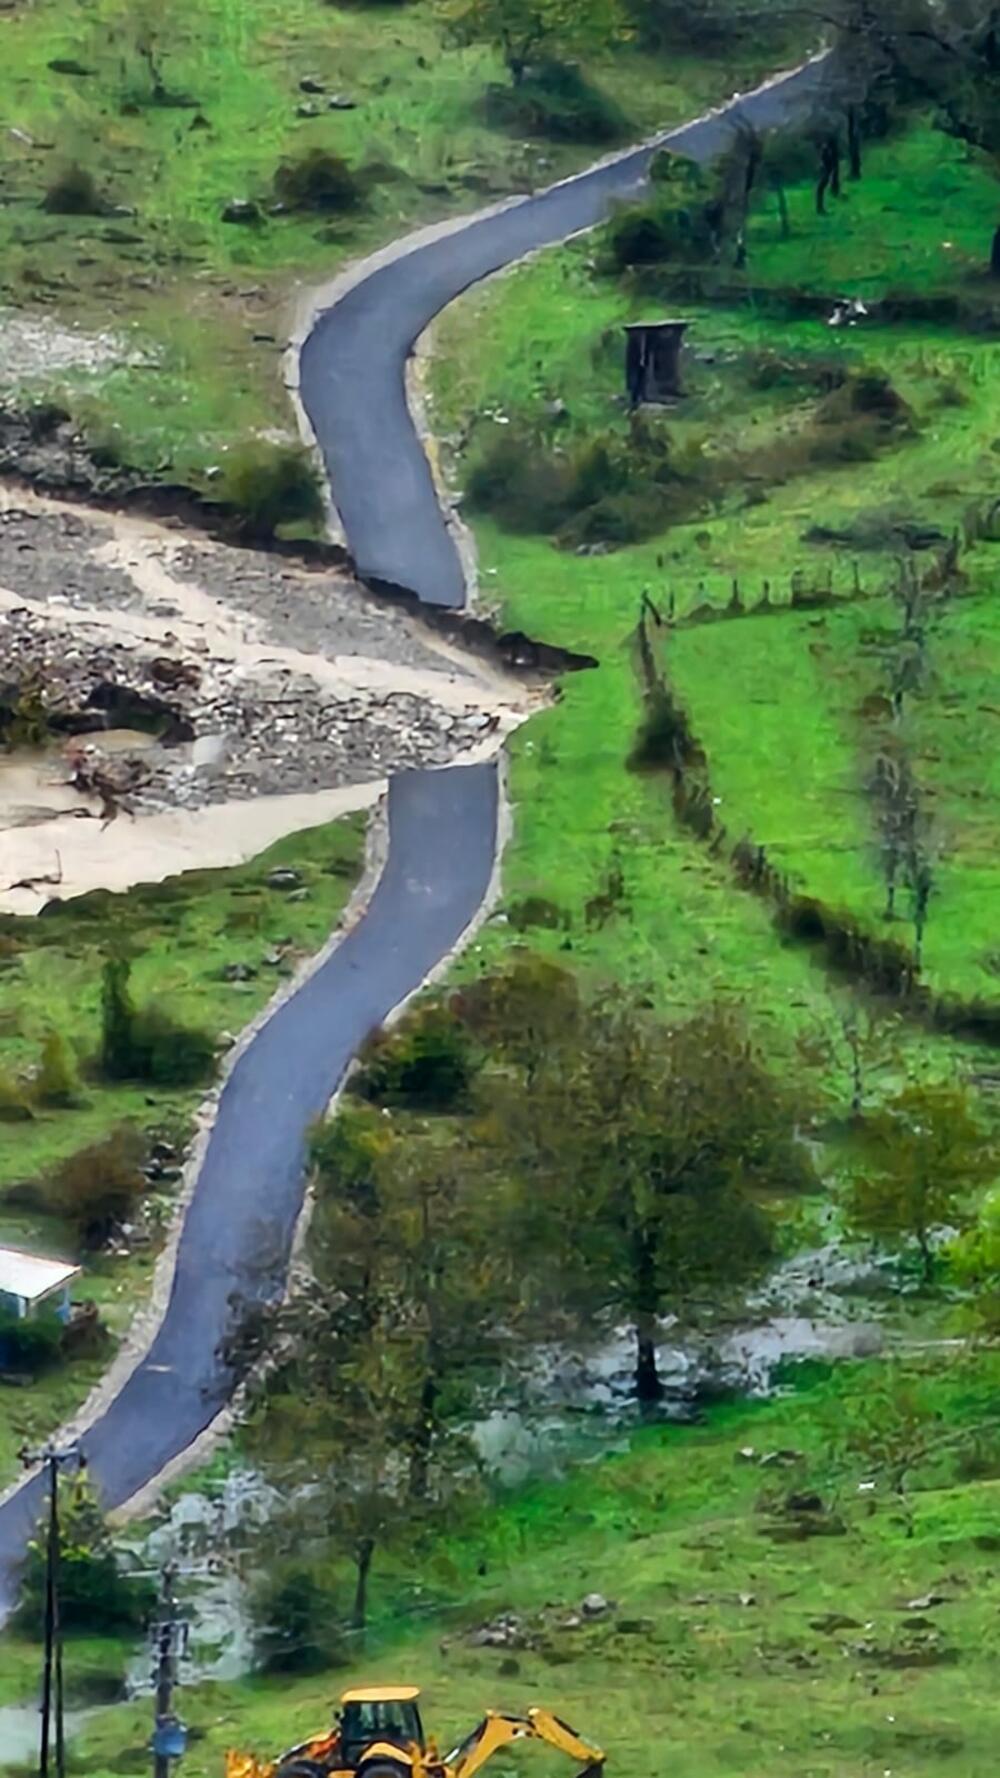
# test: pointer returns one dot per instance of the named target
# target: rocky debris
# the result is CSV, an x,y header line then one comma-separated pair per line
x,y
926,1602
341,102
310,83
594,1605
505,1631
316,611
37,346
238,972
243,212
804,1503
283,879
49,557
283,732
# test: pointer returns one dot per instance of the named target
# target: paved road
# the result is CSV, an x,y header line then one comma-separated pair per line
x,y
239,1227
353,363
237,1233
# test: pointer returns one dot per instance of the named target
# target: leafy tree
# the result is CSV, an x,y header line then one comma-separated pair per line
x,y
522,1011
644,1153
525,30
888,1431
96,1595
925,1155
861,1045
363,1426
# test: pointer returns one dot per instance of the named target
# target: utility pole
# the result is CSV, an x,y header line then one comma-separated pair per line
x,y
169,1643
53,1462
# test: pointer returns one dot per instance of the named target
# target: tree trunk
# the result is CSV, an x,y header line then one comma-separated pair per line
x,y
995,255
648,1388
422,1440
362,1562
853,142
782,197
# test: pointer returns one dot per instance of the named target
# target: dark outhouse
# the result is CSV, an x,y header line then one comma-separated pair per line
x,y
653,360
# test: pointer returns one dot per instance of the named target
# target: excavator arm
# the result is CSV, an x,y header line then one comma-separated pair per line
x,y
498,1730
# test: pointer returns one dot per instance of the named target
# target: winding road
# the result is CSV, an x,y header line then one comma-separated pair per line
x,y
239,1226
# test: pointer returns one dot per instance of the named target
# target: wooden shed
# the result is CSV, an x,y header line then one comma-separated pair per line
x,y
653,360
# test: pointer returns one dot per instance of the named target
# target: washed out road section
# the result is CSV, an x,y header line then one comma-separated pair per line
x,y
237,1234
353,365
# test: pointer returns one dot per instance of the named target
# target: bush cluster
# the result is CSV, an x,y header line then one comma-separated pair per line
x,y
266,485
616,488
428,1064
31,1346
554,99
146,1043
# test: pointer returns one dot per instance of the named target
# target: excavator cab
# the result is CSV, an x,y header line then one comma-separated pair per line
x,y
379,1716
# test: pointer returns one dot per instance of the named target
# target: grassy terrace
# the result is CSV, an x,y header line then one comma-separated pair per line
x,y
205,306
790,708
182,933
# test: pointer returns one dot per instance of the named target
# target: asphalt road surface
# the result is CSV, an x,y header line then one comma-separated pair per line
x,y
239,1226
354,362
238,1230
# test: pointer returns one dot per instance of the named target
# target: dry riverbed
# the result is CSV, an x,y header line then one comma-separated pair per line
x,y
205,700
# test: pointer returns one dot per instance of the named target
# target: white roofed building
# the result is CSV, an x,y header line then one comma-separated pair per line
x,y
30,1285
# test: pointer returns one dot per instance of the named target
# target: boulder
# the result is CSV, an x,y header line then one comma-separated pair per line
x,y
242,211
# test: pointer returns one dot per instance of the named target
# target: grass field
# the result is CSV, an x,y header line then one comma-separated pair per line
x,y
774,700
204,306
181,933
737,1645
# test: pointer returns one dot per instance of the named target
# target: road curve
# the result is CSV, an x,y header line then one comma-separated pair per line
x,y
238,1228
353,364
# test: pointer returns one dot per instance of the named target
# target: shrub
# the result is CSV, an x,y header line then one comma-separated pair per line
x,y
74,192
430,1062
524,487
294,1621
30,1346
618,487
169,1054
14,1106
268,485
665,739
681,219
319,180
555,100
148,1044
95,1595
56,1082
97,1188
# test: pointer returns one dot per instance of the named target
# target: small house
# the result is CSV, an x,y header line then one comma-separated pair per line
x,y
31,1286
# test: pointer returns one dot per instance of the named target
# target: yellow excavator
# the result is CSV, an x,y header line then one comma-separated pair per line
x,y
378,1734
